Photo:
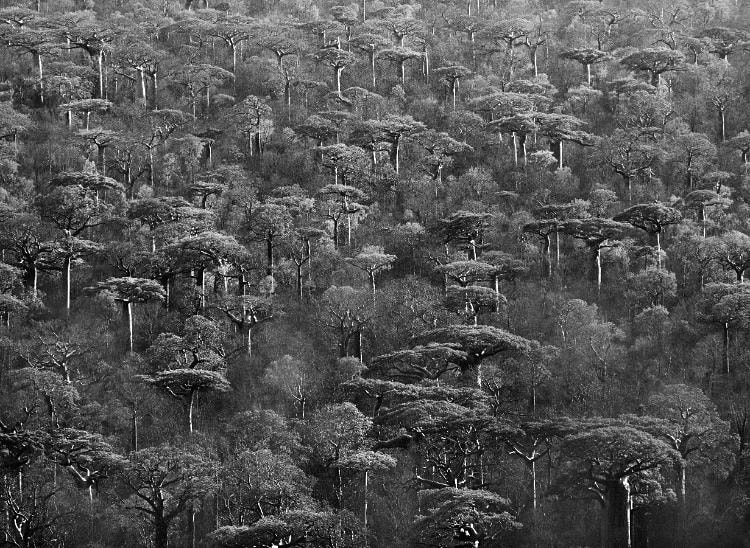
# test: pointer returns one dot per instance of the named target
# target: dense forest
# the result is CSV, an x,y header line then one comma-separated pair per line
x,y
451,274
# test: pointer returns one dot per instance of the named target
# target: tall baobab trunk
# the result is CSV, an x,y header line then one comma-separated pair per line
x,y
658,251
41,76
142,81
338,71
129,316
395,153
597,268
372,67
190,407
725,349
364,516
67,267
155,90
617,510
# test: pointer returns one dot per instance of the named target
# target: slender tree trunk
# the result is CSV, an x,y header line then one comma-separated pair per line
x,y
191,405
365,503
598,269
534,495
372,67
618,514
67,284
155,99
129,311
658,251
142,80
725,349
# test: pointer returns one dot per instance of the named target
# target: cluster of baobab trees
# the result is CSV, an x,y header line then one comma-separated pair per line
x,y
374,274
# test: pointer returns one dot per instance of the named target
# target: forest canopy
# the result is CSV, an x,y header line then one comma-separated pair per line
x,y
438,274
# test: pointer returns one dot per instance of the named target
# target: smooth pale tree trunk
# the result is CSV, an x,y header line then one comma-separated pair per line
x,y
365,503
534,495
151,166
371,274
67,284
618,514
129,310
249,342
155,84
725,349
395,152
142,81
41,76
588,73
372,67
190,407
338,71
597,268
658,250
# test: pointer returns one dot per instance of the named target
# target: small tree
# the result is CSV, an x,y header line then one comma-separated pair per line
x,y
727,305
129,291
372,260
652,218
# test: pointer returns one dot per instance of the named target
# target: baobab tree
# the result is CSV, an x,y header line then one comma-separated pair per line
x,y
651,218
608,459
452,75
586,57
372,260
699,200
189,364
338,60
732,251
727,305
597,234
129,291
655,61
